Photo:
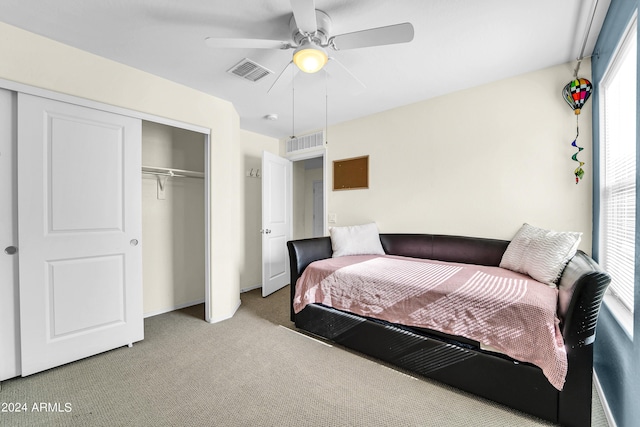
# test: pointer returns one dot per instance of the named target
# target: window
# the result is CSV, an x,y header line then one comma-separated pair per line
x,y
618,97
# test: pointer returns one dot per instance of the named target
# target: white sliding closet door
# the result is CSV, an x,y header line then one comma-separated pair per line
x,y
79,223
9,325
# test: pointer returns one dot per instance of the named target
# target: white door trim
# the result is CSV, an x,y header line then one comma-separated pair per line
x,y
71,99
207,227
96,105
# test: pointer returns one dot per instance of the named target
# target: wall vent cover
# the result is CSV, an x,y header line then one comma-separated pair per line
x,y
249,70
307,141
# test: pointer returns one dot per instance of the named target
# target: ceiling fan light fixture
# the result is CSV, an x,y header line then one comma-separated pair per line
x,y
310,58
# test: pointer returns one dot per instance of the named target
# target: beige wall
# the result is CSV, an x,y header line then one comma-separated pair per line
x,y
173,253
37,61
170,147
252,146
478,162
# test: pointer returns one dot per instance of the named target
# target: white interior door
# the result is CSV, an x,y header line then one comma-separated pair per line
x,y
276,221
9,324
79,223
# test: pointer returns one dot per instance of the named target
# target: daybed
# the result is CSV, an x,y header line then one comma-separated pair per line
x,y
459,361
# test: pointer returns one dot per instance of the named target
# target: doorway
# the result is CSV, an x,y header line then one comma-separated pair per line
x,y
309,198
173,218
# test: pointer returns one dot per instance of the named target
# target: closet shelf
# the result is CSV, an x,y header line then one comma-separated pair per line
x,y
170,172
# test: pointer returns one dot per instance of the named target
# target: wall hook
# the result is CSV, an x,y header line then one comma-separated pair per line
x,y
253,173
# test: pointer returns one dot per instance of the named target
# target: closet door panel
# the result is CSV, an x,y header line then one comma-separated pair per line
x,y
85,195
79,228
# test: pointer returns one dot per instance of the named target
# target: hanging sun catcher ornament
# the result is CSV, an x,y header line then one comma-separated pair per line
x,y
576,93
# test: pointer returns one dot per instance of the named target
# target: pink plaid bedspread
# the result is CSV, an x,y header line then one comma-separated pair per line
x,y
497,307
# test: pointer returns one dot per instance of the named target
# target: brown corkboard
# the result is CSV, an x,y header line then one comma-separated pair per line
x,y
351,174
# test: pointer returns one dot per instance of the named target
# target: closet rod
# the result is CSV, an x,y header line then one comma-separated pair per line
x,y
177,173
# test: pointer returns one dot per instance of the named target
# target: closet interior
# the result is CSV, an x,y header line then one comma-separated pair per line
x,y
173,218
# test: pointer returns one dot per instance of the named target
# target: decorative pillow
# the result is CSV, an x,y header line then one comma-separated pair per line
x,y
356,240
539,253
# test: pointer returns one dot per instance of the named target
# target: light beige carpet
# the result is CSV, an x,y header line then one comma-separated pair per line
x,y
246,371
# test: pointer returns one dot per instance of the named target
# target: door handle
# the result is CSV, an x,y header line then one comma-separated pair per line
x,y
10,250
267,231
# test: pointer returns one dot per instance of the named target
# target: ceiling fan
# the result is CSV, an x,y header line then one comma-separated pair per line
x,y
311,38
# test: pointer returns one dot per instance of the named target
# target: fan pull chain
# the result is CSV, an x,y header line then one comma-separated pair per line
x,y
326,109
293,104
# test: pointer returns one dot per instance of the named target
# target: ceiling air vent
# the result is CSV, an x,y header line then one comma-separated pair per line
x,y
305,142
249,70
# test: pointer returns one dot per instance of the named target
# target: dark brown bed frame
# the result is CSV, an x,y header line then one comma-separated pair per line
x,y
455,360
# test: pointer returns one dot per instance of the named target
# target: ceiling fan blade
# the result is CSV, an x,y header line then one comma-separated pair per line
x,y
392,34
246,43
304,12
336,70
282,80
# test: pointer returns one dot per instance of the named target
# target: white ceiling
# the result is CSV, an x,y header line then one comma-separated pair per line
x,y
458,44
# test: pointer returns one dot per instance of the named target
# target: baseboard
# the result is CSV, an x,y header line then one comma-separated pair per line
x,y
221,318
605,405
174,308
250,288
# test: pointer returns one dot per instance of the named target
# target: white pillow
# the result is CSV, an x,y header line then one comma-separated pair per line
x,y
539,253
356,240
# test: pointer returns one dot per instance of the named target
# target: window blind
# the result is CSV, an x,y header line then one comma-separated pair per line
x,y
618,168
